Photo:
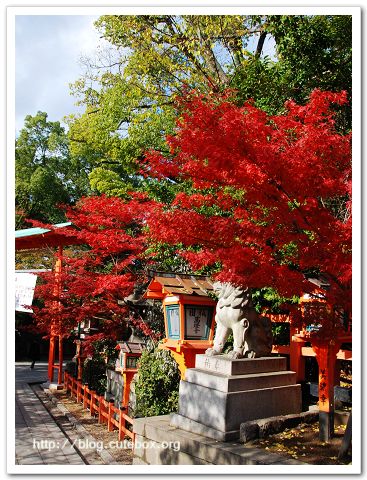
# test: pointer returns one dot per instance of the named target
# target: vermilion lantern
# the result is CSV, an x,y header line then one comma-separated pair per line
x,y
189,314
127,362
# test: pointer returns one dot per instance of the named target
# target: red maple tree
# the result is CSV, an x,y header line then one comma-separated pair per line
x,y
96,279
271,195
265,199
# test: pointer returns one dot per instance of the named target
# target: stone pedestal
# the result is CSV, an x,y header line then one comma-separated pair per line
x,y
221,393
158,443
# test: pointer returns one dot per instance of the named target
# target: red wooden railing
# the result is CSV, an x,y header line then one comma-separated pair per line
x,y
114,418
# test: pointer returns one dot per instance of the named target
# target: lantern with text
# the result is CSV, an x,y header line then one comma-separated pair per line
x,y
188,313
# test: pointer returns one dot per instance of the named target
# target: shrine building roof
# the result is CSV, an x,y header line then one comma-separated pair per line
x,y
164,284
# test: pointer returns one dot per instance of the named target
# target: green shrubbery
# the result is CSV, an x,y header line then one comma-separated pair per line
x,y
157,384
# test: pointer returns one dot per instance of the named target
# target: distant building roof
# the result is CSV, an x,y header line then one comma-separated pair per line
x,y
28,232
30,238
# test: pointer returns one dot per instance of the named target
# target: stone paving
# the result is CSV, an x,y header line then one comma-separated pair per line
x,y
38,439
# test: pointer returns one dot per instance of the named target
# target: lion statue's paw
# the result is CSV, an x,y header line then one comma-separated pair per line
x,y
250,354
234,354
211,352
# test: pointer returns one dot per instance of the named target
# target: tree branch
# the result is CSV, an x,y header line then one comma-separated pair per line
x,y
172,25
260,44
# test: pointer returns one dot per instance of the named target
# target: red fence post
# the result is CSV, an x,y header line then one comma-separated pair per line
x,y
78,391
85,396
100,409
122,424
91,406
110,413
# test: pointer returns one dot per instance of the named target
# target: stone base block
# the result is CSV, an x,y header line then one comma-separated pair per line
x,y
189,425
53,386
159,443
243,366
236,383
225,411
220,393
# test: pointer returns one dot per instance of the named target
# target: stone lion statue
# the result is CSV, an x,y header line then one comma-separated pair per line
x,y
252,334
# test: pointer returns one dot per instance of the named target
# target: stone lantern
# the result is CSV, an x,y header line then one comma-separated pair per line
x,y
83,331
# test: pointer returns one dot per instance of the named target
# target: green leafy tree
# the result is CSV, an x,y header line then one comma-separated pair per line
x,y
128,91
310,52
45,173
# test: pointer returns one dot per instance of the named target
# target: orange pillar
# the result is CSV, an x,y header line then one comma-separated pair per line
x,y
326,357
51,353
296,360
51,358
61,358
127,376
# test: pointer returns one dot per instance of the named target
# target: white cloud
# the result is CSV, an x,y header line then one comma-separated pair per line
x,y
48,50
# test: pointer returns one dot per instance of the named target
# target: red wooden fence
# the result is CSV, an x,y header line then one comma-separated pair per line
x,y
114,418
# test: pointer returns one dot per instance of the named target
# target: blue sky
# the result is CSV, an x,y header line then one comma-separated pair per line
x,y
47,53
47,59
